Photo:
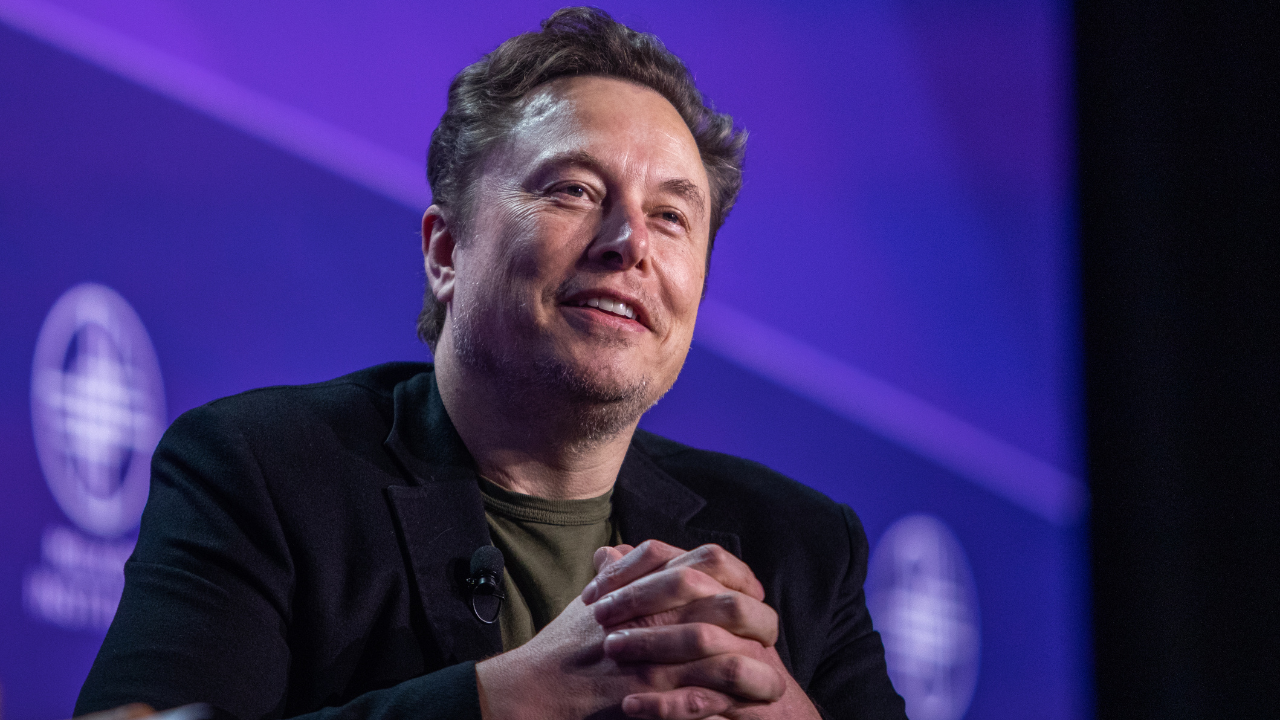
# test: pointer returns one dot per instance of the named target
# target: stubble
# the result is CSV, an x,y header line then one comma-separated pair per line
x,y
542,386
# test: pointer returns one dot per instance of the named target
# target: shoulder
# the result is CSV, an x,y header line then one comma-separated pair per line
x,y
298,428
753,500
354,400
286,455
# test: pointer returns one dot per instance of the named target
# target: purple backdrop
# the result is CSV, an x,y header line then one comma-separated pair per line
x,y
896,288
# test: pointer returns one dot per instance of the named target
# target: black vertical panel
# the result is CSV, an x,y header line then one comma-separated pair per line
x,y
1179,202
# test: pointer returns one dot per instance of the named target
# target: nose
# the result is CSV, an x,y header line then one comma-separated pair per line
x,y
623,241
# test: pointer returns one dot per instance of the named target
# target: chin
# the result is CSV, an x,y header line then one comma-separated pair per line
x,y
591,384
594,387
601,403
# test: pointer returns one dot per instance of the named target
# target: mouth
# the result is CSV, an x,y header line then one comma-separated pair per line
x,y
610,305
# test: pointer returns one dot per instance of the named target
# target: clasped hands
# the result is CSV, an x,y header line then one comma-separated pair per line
x,y
659,633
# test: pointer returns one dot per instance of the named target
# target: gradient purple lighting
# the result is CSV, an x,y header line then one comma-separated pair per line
x,y
891,315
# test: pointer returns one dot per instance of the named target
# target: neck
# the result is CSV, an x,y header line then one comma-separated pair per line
x,y
527,442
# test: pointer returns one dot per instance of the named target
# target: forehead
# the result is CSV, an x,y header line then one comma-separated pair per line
x,y
628,126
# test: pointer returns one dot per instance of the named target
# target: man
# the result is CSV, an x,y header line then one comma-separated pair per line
x,y
304,550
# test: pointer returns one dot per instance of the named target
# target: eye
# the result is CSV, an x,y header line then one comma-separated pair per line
x,y
573,190
672,216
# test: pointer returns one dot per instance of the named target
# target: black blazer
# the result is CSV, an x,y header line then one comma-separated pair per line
x,y
302,547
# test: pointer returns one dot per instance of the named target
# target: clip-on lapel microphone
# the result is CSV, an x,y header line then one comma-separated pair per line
x,y
484,584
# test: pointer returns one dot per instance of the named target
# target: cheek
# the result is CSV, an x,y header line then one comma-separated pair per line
x,y
685,280
549,251
509,252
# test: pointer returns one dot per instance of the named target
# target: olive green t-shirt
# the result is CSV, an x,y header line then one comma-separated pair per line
x,y
548,547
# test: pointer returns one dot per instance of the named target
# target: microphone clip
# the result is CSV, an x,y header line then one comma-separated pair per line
x,y
484,584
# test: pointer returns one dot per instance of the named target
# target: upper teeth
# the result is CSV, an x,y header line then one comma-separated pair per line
x,y
612,306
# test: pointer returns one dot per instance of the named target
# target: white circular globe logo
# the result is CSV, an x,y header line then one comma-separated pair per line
x,y
97,408
922,598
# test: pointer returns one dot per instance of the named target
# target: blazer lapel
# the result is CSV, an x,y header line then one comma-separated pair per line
x,y
649,504
440,519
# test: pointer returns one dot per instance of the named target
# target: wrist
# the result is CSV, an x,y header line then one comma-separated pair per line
x,y
797,702
499,683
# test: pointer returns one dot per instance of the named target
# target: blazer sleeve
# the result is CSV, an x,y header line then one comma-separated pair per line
x,y
851,680
205,613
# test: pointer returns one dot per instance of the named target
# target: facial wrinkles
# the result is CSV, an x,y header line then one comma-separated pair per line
x,y
554,124
548,123
560,136
512,214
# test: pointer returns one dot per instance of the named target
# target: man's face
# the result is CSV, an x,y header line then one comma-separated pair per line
x,y
585,256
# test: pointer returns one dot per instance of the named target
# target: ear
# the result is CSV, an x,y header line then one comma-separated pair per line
x,y
437,252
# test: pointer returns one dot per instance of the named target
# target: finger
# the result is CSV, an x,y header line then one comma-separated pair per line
x,y
609,554
650,555
736,613
740,676
653,594
605,555
685,595
674,643
722,565
689,703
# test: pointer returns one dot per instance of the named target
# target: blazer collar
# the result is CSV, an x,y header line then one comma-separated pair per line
x,y
650,504
439,519
422,436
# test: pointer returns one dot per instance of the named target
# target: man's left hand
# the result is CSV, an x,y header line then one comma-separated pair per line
x,y
660,604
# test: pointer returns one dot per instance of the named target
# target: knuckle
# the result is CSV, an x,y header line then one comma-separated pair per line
x,y
686,580
667,706
726,560
732,607
655,548
715,553
712,559
702,637
697,701
606,576
731,669
612,571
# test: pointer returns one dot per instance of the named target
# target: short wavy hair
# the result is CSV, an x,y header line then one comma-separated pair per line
x,y
485,104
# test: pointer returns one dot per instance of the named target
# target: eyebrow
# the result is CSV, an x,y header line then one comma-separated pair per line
x,y
685,189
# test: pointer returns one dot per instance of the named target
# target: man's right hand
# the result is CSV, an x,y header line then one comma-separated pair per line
x,y
701,667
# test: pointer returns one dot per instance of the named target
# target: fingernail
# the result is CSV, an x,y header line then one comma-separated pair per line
x,y
613,640
630,705
590,592
603,608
